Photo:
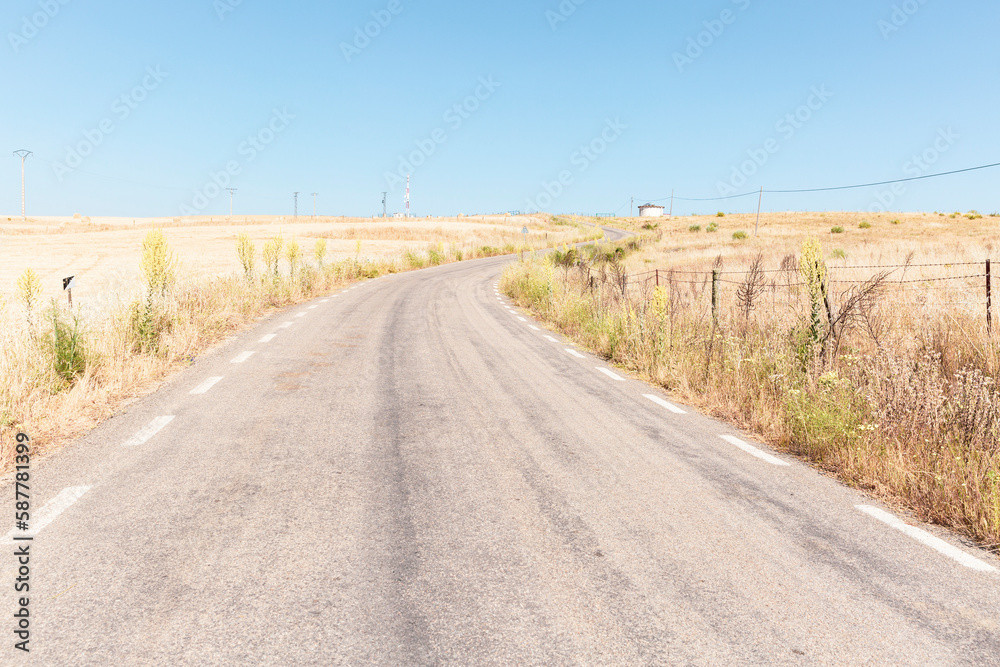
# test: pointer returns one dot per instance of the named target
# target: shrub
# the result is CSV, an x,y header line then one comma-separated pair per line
x,y
864,224
650,226
896,222
740,236
839,253
712,228
65,345
720,214
836,230
694,228
973,215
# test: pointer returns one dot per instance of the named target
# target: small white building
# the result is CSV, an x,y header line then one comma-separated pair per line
x,y
650,211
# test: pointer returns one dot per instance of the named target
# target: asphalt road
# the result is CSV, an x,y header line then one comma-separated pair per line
x,y
411,472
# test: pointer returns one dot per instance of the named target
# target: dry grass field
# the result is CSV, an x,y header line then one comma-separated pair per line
x,y
152,294
857,341
103,253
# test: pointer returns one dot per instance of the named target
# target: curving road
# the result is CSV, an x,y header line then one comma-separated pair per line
x,y
412,472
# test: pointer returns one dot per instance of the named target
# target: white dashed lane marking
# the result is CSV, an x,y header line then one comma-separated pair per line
x,y
240,358
151,429
750,449
205,386
301,314
48,513
533,327
286,325
927,539
313,307
575,353
268,338
521,318
613,376
551,339
662,403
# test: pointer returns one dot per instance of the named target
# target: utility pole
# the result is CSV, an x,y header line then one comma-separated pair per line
x,y
314,203
671,203
232,191
23,154
631,210
384,214
296,205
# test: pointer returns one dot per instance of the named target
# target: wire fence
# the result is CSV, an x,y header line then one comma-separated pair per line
x,y
906,290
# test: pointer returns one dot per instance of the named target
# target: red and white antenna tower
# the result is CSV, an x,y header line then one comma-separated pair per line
x,y
407,195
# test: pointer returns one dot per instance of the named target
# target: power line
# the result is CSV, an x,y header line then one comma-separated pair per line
x,y
839,187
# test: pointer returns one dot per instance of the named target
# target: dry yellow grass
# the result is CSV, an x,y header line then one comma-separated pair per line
x,y
138,325
900,398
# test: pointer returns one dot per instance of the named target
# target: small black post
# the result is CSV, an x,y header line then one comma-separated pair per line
x,y
657,277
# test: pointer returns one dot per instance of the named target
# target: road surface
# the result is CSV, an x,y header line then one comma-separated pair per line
x,y
412,472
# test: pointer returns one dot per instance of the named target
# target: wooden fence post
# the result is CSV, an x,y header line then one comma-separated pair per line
x,y
989,300
715,296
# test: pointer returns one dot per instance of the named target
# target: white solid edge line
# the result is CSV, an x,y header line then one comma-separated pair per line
x,y
286,325
240,358
205,386
613,376
48,512
750,449
550,338
927,539
151,429
575,353
669,406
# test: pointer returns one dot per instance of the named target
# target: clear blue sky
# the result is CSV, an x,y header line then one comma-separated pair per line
x,y
558,80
